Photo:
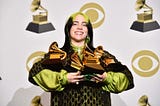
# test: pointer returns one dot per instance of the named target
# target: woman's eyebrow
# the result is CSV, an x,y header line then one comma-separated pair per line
x,y
78,22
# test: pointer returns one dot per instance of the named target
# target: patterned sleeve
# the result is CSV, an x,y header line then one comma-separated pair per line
x,y
116,82
48,76
119,77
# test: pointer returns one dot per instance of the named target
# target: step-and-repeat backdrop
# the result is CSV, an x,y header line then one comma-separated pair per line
x,y
129,29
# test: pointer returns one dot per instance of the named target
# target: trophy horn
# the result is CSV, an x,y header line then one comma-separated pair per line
x,y
142,4
56,52
139,4
35,5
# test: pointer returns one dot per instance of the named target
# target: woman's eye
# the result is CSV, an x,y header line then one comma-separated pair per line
x,y
75,24
84,24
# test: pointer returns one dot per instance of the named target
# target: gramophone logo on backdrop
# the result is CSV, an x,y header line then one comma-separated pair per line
x,y
145,63
95,12
39,23
144,20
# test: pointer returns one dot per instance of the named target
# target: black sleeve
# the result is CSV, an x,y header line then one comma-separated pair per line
x,y
44,64
117,67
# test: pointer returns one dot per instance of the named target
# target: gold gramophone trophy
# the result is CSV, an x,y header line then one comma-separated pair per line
x,y
55,54
39,23
144,20
57,57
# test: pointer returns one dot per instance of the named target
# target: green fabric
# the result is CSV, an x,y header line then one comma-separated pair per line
x,y
79,50
51,81
115,82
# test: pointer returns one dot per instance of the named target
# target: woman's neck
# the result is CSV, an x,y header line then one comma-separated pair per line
x,y
78,49
78,44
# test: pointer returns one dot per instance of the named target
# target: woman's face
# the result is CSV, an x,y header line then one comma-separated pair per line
x,y
79,30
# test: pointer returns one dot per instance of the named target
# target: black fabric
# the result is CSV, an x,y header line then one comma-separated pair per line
x,y
81,95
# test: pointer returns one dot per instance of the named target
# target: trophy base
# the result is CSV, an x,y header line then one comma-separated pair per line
x,y
144,27
39,28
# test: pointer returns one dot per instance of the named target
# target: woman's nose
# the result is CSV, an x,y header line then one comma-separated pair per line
x,y
79,26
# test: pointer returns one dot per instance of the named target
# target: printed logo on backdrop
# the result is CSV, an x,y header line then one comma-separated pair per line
x,y
145,21
145,63
95,12
33,58
39,22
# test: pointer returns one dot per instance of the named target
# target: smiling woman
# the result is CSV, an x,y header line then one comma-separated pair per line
x,y
87,75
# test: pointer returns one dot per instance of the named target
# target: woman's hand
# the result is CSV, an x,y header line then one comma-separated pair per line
x,y
99,77
75,77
